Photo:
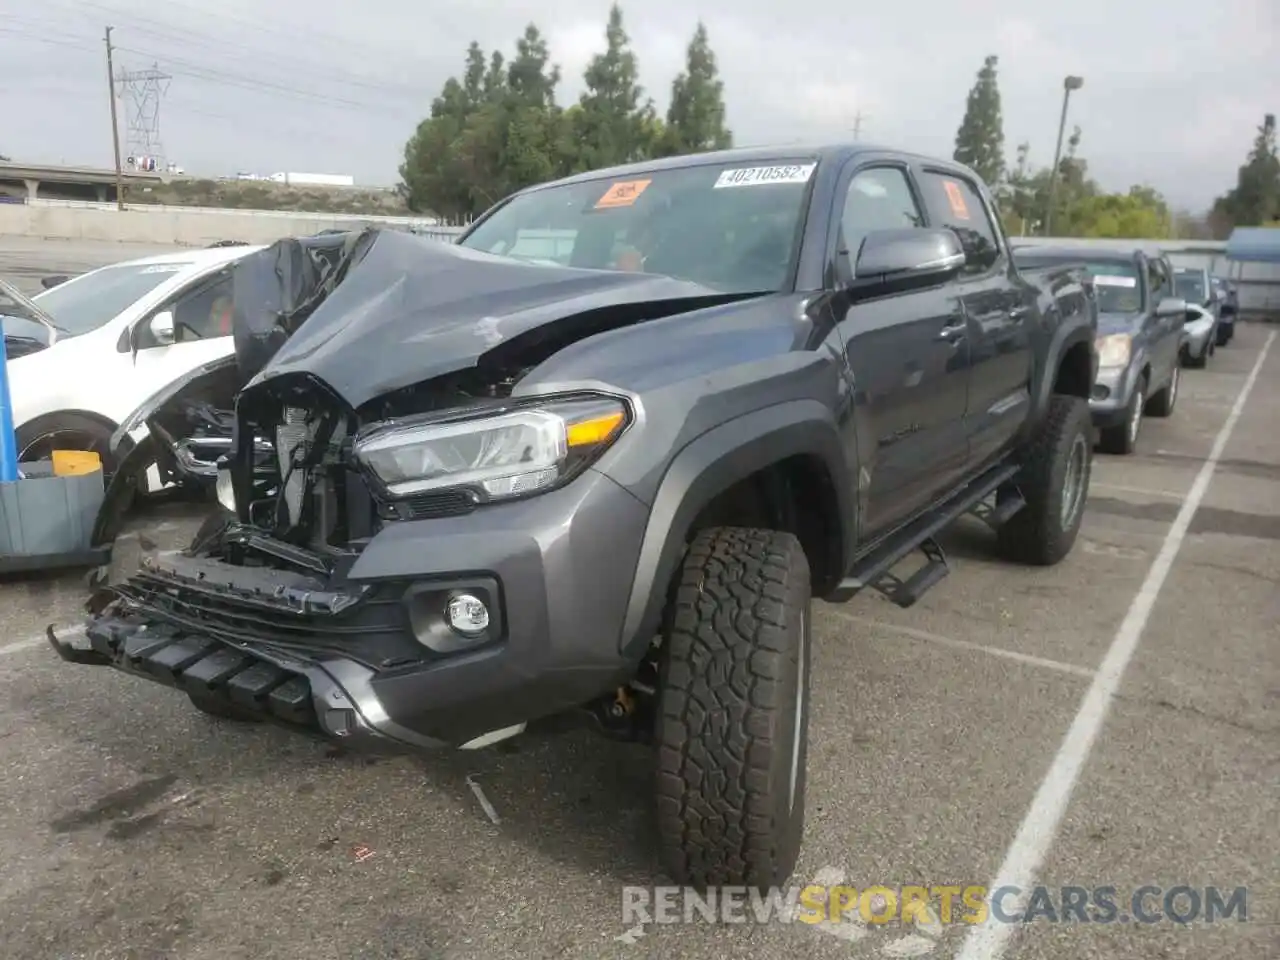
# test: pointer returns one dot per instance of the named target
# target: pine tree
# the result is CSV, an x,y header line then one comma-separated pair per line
x,y
1255,199
980,139
696,117
610,125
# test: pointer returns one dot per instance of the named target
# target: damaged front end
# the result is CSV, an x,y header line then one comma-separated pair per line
x,y
379,375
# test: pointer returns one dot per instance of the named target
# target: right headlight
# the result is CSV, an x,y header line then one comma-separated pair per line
x,y
1114,350
495,456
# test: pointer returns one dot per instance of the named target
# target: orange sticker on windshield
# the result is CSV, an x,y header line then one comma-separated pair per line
x,y
956,198
622,194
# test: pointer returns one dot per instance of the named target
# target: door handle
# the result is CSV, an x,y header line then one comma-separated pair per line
x,y
952,331
1017,313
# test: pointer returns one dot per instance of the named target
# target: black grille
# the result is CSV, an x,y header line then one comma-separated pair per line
x,y
373,631
429,506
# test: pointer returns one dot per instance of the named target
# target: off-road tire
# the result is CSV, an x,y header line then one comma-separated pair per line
x,y
1162,404
1119,439
731,731
216,707
1037,534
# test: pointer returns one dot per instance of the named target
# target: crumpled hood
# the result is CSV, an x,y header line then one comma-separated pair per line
x,y
1118,323
374,312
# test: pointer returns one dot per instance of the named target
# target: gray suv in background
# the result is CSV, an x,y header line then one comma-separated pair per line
x,y
1141,324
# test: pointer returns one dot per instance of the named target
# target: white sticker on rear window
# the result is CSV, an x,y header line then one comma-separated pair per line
x,y
1110,280
164,268
759,176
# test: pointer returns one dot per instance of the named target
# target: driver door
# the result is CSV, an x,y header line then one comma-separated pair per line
x,y
190,328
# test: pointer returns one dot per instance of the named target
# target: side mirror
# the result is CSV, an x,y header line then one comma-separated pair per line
x,y
895,261
1171,307
50,282
161,327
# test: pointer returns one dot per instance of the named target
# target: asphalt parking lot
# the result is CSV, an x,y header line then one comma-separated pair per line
x,y
1112,721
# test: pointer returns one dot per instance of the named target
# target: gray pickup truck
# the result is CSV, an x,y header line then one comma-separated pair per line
x,y
599,456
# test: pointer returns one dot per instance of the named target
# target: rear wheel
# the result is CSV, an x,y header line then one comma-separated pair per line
x,y
1054,480
1223,336
733,711
1197,362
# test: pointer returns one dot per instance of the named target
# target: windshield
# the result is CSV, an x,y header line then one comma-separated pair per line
x,y
86,303
12,306
1115,281
1190,286
17,318
731,227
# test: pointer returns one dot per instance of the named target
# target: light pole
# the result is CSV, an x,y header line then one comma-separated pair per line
x,y
1068,84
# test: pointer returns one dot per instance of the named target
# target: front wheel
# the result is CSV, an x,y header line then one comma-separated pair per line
x,y
38,439
1123,437
1055,482
1162,404
733,711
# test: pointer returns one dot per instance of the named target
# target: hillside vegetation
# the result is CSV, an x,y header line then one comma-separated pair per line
x,y
268,195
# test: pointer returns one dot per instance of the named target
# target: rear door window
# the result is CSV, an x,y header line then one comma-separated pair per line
x,y
954,202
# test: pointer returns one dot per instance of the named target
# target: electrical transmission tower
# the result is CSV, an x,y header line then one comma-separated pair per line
x,y
142,90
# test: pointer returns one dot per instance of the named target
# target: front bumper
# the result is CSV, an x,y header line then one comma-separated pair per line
x,y
368,656
1112,390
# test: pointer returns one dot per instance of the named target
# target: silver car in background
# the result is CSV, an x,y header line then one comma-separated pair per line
x,y
1199,336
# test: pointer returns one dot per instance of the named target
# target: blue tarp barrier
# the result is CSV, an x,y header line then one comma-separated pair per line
x,y
1254,245
8,442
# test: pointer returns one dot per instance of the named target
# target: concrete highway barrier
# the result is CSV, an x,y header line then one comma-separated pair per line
x,y
186,227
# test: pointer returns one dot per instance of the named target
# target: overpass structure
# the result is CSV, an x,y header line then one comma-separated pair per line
x,y
18,180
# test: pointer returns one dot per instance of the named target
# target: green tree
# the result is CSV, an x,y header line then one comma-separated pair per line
x,y
531,77
696,117
432,173
612,125
496,130
1016,195
1255,199
980,139
1139,214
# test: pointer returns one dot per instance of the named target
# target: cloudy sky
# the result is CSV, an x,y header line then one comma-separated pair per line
x,y
1173,93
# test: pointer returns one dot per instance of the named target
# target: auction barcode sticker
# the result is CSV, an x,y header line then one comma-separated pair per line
x,y
1111,280
759,176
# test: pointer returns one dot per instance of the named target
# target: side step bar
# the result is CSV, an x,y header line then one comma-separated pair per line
x,y
873,568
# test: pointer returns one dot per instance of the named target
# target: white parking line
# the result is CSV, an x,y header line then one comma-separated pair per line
x,y
966,645
1040,826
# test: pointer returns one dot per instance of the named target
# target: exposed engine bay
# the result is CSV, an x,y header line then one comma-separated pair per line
x,y
344,336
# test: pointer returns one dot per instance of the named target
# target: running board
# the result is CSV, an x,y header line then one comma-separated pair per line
x,y
872,569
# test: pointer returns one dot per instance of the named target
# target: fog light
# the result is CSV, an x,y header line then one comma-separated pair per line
x,y
468,614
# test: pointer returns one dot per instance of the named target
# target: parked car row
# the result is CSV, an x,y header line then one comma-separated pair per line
x,y
1154,318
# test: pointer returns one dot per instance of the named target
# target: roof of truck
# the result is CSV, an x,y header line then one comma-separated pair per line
x,y
819,152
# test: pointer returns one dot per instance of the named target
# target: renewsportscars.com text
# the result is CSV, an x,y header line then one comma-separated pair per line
x,y
947,904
